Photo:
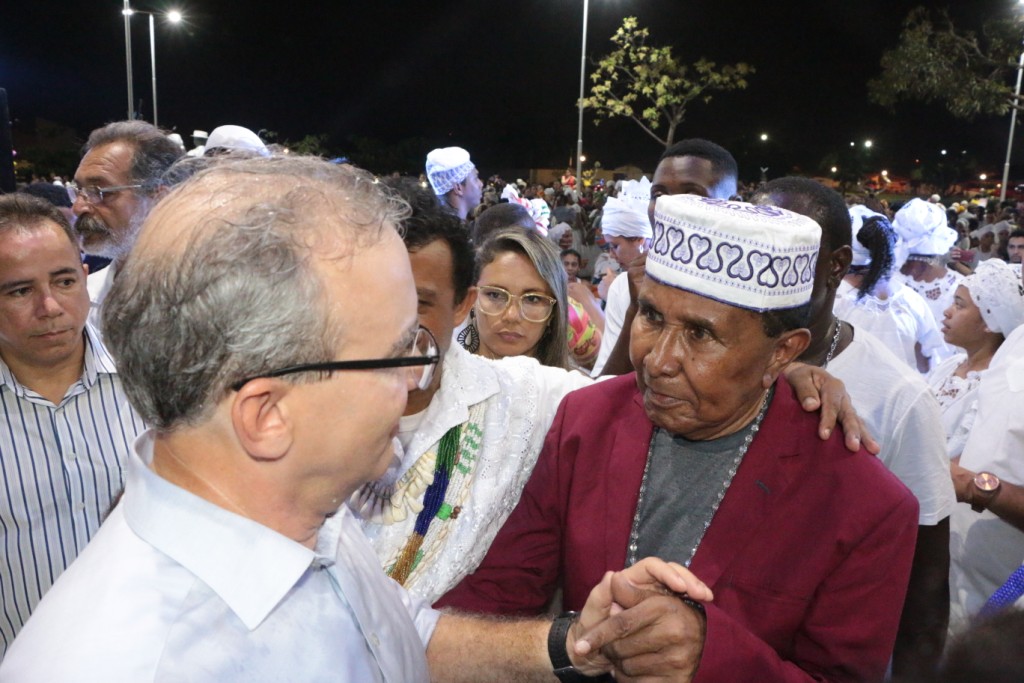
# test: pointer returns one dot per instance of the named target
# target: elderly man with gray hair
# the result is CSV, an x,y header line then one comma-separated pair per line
x,y
117,183
266,327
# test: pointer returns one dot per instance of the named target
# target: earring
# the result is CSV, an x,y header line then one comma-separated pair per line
x,y
469,338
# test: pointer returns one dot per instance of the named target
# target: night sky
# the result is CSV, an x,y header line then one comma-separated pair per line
x,y
500,79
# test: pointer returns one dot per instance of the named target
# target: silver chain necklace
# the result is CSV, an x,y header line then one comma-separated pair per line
x,y
634,533
835,341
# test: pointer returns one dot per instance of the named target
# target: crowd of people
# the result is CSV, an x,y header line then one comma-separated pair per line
x,y
269,417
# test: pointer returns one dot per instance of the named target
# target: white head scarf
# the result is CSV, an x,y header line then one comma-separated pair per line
x,y
996,290
922,227
539,210
555,233
626,215
858,214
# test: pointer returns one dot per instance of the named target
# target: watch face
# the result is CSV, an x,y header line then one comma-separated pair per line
x,y
986,481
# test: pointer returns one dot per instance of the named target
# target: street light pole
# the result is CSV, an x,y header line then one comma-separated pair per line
x,y
127,12
583,73
152,60
1013,124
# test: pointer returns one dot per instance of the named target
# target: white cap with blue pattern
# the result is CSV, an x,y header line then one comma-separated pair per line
x,y
761,258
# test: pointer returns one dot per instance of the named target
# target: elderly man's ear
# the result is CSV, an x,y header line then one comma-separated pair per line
x,y
261,416
788,348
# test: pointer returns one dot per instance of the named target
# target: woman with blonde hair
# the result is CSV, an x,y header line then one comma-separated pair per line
x,y
522,304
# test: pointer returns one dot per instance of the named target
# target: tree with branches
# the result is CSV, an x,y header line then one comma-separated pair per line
x,y
650,86
934,61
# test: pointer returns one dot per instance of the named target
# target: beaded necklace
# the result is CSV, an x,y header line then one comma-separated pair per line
x,y
447,452
634,533
444,490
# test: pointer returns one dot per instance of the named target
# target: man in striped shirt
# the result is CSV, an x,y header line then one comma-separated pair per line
x,y
65,424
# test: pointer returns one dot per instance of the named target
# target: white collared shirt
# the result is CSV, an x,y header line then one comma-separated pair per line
x,y
99,284
174,588
60,466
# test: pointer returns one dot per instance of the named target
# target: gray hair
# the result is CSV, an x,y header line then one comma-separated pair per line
x,y
153,151
222,285
553,348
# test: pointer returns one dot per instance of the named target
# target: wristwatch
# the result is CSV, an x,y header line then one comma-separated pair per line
x,y
560,662
986,486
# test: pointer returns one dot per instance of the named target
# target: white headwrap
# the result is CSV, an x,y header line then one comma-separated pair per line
x,y
447,167
996,290
861,254
986,229
541,213
626,215
236,138
555,233
539,210
755,257
922,227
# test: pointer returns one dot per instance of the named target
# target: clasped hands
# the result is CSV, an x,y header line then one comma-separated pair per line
x,y
636,625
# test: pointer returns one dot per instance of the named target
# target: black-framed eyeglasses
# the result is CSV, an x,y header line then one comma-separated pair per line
x,y
532,306
420,358
95,195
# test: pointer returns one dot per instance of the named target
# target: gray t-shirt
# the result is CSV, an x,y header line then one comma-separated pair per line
x,y
684,480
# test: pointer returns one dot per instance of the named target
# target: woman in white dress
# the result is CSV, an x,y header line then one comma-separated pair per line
x,y
986,307
868,299
927,239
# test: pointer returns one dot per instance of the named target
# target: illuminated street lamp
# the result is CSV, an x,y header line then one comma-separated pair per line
x,y
173,17
983,176
764,137
868,144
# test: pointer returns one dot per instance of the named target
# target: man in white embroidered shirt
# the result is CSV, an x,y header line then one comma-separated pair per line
x,y
267,329
65,425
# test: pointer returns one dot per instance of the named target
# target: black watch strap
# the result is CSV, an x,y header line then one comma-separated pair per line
x,y
560,662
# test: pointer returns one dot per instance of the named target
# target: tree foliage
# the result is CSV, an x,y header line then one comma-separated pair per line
x,y
312,145
650,86
967,72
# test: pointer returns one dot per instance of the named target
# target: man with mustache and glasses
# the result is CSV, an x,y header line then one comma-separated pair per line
x,y
115,186
65,425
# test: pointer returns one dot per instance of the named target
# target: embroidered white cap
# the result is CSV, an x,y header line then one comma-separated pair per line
x,y
446,167
760,258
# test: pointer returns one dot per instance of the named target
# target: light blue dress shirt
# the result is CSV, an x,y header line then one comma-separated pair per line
x,y
174,588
